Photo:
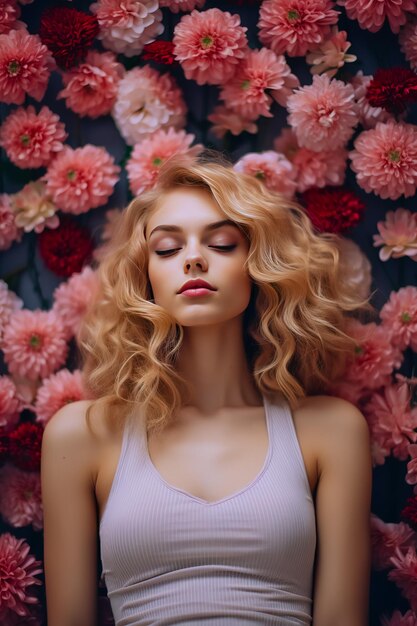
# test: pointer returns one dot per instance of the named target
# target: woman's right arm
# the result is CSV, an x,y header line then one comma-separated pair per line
x,y
70,518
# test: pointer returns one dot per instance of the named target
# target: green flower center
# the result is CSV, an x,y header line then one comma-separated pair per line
x,y
405,317
13,68
394,156
71,174
260,174
35,342
245,84
25,139
358,350
157,161
293,15
206,41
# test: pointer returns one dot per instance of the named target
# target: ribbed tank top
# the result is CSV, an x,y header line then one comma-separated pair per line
x,y
171,558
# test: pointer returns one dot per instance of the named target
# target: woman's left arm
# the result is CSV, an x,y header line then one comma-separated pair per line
x,y
343,500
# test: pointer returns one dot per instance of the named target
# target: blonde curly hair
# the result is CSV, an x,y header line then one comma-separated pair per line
x,y
295,337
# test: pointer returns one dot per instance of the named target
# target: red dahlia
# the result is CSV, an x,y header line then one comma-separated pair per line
x,y
392,89
25,444
67,33
160,52
409,512
332,209
65,249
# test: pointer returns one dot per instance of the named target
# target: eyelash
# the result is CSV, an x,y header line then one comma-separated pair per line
x,y
166,252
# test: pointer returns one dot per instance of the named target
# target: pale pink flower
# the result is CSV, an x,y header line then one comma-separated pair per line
x,y
9,16
149,155
127,25
273,168
331,54
397,235
372,14
9,231
33,208
260,75
385,160
57,391
147,101
355,268
25,67
385,538
19,569
32,139
91,87
404,574
323,114
71,299
411,476
392,420
408,42
20,497
34,344
10,404
224,120
295,26
375,356
181,5
399,317
368,114
209,45
81,179
9,302
398,619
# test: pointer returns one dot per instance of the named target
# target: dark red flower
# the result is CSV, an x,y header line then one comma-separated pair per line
x,y
4,447
25,443
65,249
160,52
392,89
333,209
68,33
409,512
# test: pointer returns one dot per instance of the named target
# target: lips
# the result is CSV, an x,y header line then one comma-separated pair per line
x,y
195,284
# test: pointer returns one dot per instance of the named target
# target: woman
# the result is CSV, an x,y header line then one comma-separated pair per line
x,y
219,482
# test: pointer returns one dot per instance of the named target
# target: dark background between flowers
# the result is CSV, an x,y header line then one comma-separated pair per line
x,y
23,269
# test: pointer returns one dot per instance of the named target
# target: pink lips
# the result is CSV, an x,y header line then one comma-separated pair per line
x,y
199,286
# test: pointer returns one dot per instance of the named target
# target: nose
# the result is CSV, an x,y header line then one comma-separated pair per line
x,y
194,259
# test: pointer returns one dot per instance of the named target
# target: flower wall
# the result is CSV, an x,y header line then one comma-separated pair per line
x,y
314,97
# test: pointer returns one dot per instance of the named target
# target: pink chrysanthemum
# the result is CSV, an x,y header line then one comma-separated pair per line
x,y
209,45
25,67
57,391
32,139
260,75
385,160
397,235
323,114
147,101
10,404
20,497
225,120
398,619
149,155
399,317
275,171
9,16
9,302
18,572
392,420
312,169
408,42
387,537
372,14
81,179
9,231
182,5
34,344
72,297
295,26
91,87
368,114
375,356
411,476
127,25
33,208
404,574
331,54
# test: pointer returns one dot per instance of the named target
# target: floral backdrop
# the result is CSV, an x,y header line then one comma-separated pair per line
x,y
314,97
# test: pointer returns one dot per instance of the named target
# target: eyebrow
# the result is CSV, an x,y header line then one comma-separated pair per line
x,y
176,229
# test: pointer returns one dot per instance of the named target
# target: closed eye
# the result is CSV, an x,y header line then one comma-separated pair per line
x,y
167,252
